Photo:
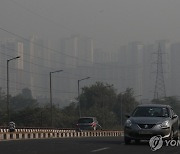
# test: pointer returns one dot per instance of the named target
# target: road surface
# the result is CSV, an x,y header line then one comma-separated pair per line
x,y
93,145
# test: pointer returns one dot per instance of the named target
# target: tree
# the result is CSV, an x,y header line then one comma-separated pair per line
x,y
98,100
26,93
127,101
70,115
22,101
3,107
28,117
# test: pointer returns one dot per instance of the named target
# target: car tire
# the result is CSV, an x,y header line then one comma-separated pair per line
x,y
127,140
171,137
176,137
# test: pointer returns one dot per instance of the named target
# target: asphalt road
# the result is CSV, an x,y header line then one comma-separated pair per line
x,y
100,145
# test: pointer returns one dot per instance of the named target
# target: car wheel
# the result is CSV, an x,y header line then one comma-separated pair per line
x,y
171,135
176,137
127,140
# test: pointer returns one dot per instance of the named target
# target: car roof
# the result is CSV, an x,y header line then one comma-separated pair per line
x,y
153,105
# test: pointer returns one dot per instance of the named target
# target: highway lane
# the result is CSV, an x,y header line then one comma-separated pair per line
x,y
93,145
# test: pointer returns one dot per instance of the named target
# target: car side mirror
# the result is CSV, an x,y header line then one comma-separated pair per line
x,y
174,116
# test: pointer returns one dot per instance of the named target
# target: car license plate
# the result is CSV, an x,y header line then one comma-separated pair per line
x,y
145,132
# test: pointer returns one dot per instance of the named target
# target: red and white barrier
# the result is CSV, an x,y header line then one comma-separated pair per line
x,y
43,134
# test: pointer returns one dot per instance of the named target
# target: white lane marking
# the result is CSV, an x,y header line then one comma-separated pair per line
x,y
100,149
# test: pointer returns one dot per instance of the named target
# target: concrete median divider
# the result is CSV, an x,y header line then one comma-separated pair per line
x,y
19,134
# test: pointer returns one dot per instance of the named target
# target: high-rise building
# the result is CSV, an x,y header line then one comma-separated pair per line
x,y
100,56
85,51
78,51
76,55
11,48
38,65
148,72
135,66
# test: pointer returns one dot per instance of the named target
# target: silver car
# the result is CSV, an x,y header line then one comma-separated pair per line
x,y
87,123
150,120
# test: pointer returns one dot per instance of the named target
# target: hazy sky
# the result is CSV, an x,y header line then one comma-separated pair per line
x,y
109,22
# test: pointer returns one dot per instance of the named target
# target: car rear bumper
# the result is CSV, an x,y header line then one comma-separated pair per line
x,y
84,128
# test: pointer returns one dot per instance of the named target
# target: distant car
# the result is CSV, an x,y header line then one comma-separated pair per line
x,y
87,123
150,120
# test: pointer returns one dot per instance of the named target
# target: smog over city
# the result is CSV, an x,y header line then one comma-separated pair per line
x,y
110,41
89,76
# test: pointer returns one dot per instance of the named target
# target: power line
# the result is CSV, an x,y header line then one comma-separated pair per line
x,y
77,58
37,14
50,20
38,87
62,53
99,78
59,52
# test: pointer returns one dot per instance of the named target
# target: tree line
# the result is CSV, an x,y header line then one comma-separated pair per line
x,y
100,100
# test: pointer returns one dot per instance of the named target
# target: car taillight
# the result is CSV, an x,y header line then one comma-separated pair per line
x,y
93,124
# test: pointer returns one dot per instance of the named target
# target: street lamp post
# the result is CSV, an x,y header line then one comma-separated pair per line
x,y
8,112
121,112
109,86
122,108
78,94
50,86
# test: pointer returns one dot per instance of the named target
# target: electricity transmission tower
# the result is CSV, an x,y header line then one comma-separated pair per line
x,y
160,90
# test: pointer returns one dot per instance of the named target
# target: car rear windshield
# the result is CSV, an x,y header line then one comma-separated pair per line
x,y
151,112
85,120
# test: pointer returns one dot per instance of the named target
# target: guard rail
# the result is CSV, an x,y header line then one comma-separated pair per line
x,y
19,134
